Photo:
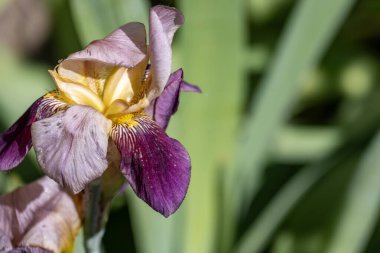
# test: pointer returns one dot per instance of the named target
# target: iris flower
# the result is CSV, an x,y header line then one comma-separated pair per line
x,y
39,218
117,89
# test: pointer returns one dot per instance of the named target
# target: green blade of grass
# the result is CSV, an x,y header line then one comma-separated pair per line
x,y
310,30
311,27
361,208
260,232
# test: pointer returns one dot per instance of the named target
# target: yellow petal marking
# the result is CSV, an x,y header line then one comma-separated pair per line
x,y
87,73
78,93
127,119
138,107
118,86
117,107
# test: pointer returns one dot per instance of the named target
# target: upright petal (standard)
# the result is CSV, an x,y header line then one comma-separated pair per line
x,y
163,23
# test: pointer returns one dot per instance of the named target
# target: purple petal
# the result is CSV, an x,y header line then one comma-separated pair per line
x,y
163,107
187,87
29,250
125,47
164,22
71,146
16,142
156,166
51,103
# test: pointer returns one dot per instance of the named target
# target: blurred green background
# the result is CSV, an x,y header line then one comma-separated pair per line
x,y
284,140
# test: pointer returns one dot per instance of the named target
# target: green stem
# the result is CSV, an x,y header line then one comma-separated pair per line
x,y
96,215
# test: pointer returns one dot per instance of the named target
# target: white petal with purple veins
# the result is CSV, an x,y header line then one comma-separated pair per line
x,y
71,146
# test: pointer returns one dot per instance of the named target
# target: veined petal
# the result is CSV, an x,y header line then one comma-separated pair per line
x,y
16,142
164,106
164,22
42,202
51,103
124,47
71,146
156,166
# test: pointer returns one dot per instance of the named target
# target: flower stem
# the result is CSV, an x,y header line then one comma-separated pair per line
x,y
96,215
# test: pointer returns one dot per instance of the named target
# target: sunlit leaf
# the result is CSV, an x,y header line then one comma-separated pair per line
x,y
362,205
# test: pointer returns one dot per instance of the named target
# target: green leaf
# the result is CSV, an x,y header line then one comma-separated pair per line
x,y
211,50
300,144
306,37
94,19
260,232
362,206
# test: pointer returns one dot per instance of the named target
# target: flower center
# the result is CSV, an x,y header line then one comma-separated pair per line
x,y
115,92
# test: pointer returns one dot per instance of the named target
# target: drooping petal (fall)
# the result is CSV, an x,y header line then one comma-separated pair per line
x,y
39,218
164,22
124,47
164,106
71,146
156,166
16,142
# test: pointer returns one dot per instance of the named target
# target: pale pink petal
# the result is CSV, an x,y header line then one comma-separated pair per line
x,y
164,22
126,47
71,146
24,211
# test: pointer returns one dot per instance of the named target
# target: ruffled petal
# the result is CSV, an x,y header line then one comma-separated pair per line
x,y
163,107
164,22
156,166
71,146
40,215
125,47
